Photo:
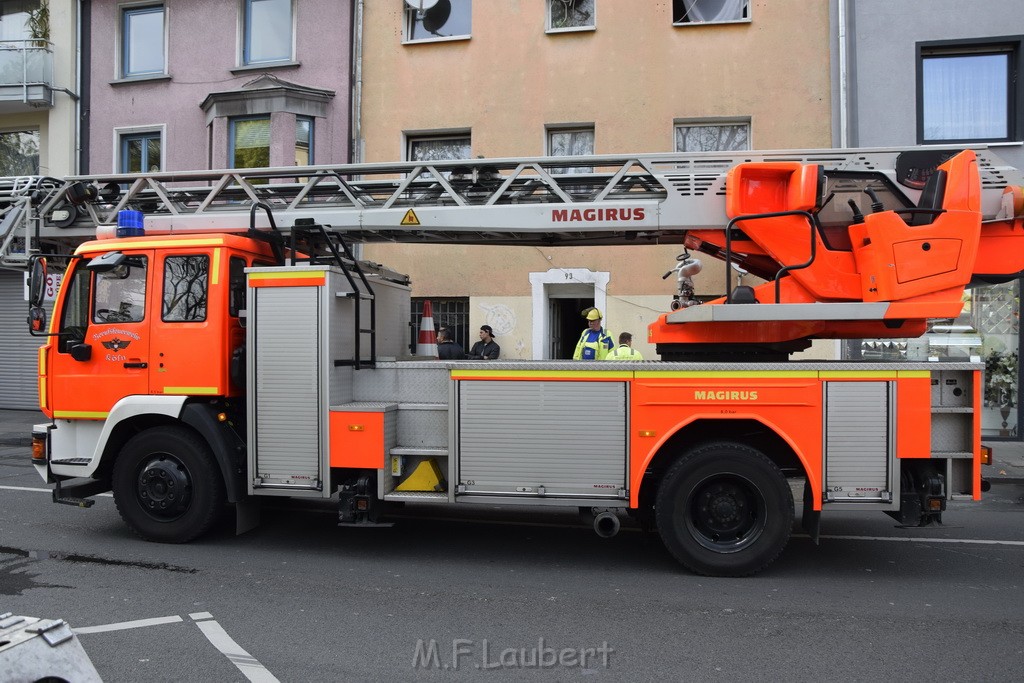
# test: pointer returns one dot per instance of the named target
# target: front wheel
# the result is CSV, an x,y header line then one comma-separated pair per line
x,y
167,486
724,509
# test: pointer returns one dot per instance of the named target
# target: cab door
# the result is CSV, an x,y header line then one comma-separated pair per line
x,y
102,351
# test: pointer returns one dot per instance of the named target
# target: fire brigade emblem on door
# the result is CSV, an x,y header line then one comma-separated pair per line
x,y
116,344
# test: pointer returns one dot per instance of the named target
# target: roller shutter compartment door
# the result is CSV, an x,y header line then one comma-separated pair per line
x,y
18,349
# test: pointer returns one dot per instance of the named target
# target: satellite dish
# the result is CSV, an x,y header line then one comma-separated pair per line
x,y
436,17
421,5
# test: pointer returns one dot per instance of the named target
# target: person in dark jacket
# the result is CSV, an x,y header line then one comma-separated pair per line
x,y
486,348
448,348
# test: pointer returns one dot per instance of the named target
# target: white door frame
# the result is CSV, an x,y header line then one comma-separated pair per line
x,y
575,282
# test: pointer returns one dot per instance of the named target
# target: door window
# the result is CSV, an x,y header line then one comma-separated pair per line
x,y
121,293
185,288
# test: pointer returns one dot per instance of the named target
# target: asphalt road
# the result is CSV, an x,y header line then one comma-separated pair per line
x,y
502,595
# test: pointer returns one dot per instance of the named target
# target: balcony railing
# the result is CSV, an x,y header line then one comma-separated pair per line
x,y
27,65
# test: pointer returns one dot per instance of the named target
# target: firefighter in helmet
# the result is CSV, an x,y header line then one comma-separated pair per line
x,y
595,342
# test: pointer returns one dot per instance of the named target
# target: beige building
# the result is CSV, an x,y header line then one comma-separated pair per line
x,y
514,78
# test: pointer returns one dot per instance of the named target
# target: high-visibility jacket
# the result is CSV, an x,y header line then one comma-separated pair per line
x,y
624,352
593,345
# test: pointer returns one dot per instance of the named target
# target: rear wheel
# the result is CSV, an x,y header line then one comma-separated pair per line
x,y
167,486
724,509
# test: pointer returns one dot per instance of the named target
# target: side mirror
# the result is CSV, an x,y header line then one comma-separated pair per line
x,y
36,320
81,352
37,282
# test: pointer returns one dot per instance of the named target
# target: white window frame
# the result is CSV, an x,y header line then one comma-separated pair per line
x,y
568,5
696,123
550,130
127,131
747,6
244,38
121,72
409,17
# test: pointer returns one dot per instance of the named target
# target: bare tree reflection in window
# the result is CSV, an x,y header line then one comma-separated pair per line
x,y
713,138
571,13
185,288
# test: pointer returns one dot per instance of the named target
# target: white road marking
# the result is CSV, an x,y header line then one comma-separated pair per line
x,y
196,616
125,625
246,663
917,539
38,490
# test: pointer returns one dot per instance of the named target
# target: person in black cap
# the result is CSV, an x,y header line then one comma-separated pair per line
x,y
486,348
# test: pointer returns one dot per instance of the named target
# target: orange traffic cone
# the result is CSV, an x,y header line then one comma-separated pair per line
x,y
426,344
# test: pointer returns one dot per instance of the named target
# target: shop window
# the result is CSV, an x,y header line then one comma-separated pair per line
x,y
715,136
571,15
968,92
142,41
437,19
185,288
268,31
685,12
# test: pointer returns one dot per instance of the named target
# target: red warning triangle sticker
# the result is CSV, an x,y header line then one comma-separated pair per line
x,y
410,218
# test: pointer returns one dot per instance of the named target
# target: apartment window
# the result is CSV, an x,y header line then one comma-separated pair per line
x,y
268,31
15,17
567,15
250,142
19,152
714,136
438,147
142,35
437,19
969,91
685,12
571,142
185,287
140,152
303,141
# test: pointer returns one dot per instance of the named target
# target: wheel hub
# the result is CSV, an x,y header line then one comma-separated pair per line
x,y
724,514
164,488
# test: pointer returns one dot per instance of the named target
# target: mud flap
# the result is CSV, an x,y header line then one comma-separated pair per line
x,y
810,520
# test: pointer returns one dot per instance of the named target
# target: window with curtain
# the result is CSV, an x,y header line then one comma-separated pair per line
x,y
268,31
571,142
443,19
725,136
438,147
967,92
140,152
709,11
571,14
250,142
142,41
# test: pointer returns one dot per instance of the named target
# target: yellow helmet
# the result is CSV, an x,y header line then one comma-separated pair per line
x,y
593,314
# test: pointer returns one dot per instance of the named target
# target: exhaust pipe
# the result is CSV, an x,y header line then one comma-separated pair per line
x,y
606,524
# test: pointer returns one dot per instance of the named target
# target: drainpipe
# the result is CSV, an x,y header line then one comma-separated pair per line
x,y
844,85
76,163
357,87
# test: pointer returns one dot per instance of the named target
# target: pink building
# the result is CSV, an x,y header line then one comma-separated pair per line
x,y
192,84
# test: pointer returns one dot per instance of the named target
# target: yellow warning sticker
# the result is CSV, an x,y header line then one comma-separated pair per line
x,y
410,218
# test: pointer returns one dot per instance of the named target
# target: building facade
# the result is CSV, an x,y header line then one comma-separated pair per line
x,y
515,78
937,72
39,111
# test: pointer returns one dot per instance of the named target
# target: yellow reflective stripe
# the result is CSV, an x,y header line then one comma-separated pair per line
x,y
190,390
42,358
913,373
289,275
541,374
81,414
105,245
216,266
727,374
858,374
